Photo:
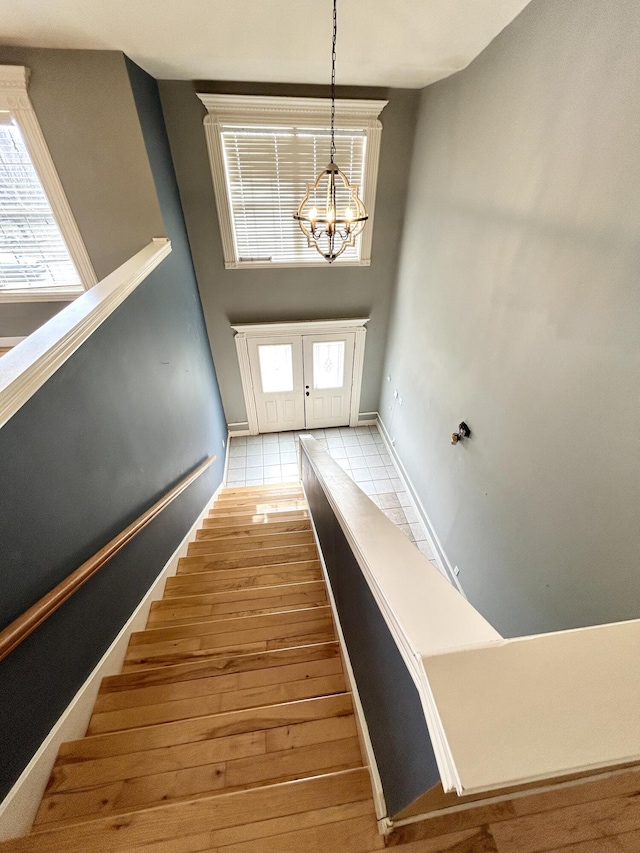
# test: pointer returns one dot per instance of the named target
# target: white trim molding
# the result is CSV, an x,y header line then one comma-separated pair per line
x,y
14,99
245,331
27,367
18,809
257,110
501,713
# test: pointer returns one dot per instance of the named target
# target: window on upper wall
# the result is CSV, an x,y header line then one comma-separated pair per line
x,y
264,151
42,256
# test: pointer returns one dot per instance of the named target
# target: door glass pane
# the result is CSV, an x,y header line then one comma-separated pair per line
x,y
276,367
328,364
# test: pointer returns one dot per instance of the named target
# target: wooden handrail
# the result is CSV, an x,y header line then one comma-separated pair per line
x,y
25,624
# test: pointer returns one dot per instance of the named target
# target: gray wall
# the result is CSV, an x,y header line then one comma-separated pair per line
x,y
517,310
85,107
296,294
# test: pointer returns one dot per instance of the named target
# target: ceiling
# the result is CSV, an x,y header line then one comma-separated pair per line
x,y
404,43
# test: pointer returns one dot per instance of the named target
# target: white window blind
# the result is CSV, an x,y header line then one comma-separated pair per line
x,y
266,170
33,254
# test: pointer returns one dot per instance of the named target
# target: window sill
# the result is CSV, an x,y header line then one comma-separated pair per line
x,y
264,265
40,295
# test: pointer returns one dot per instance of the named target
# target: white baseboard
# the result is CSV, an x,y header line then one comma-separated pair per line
x,y
367,418
226,460
366,747
19,808
435,544
238,429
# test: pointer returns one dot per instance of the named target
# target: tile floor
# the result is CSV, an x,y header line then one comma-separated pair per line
x,y
360,451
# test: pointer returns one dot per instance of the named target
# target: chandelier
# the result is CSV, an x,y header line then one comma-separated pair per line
x,y
331,214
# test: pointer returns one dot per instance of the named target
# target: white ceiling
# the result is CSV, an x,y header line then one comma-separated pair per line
x,y
406,43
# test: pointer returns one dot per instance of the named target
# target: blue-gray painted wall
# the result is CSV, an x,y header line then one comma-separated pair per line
x,y
392,707
126,417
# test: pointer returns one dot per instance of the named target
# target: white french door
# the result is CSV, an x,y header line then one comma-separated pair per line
x,y
278,383
328,373
302,381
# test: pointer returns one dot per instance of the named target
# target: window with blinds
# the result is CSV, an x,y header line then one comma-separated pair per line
x,y
264,150
267,170
33,253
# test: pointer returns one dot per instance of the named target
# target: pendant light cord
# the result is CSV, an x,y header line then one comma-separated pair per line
x,y
333,78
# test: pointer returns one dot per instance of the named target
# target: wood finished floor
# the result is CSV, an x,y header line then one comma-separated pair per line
x,y
231,729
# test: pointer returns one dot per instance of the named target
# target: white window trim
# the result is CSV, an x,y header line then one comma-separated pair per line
x,y
14,80
245,331
302,112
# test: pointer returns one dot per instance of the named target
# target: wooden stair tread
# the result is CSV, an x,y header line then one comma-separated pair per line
x,y
185,614
213,605
228,633
219,683
219,664
196,729
249,531
231,545
242,761
232,560
275,488
229,624
162,823
243,577
255,519
318,830
231,509
202,705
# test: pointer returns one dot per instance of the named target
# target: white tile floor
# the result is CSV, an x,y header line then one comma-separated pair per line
x,y
272,458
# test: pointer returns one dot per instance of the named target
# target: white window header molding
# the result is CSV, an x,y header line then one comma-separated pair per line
x,y
300,327
14,80
248,109
14,99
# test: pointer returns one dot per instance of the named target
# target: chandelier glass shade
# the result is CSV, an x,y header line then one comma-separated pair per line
x,y
331,214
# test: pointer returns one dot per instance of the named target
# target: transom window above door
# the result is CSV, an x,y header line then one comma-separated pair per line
x,y
303,375
264,151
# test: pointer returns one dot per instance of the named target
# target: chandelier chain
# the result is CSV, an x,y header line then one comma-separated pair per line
x,y
333,78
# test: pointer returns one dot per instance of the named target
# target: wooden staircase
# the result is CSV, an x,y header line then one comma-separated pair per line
x,y
230,727
231,730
